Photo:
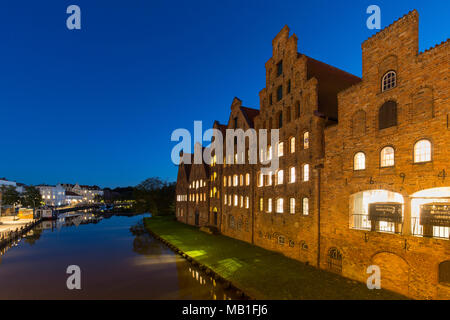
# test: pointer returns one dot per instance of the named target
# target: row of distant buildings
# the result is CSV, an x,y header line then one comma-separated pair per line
x,y
60,194
363,164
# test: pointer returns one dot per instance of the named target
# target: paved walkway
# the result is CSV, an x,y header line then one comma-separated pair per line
x,y
8,224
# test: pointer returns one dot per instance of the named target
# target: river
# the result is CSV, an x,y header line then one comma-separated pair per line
x,y
117,259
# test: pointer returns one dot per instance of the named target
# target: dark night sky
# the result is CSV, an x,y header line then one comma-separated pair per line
x,y
98,105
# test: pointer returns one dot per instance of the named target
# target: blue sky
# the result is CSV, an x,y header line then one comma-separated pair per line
x,y
98,105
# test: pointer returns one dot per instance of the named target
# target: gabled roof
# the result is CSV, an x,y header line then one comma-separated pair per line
x,y
249,115
331,80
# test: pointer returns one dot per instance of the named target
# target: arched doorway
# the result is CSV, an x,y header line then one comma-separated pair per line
x,y
394,272
197,218
334,260
215,216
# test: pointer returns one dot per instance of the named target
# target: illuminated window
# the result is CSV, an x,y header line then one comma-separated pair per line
x,y
305,206
389,80
269,153
247,179
292,144
387,157
242,201
306,172
292,175
359,161
292,205
241,180
422,151
269,205
247,202
225,199
359,208
280,203
235,180
280,149
261,204
306,140
229,200
269,179
280,175
224,181
260,180
236,200
229,181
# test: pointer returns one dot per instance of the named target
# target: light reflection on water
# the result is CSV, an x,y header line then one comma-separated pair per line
x,y
118,260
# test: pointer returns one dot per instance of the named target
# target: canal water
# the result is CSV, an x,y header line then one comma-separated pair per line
x,y
117,259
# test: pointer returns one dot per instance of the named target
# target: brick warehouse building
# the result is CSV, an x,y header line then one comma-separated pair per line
x,y
393,151
324,205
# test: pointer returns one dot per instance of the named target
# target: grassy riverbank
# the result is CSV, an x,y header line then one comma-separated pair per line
x,y
262,274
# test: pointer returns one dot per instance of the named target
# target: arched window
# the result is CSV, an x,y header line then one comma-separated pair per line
x,y
292,175
280,207
389,80
297,109
292,205
280,120
236,200
280,149
305,203
269,205
422,151
292,144
306,172
247,179
359,161
280,175
306,140
387,157
387,115
444,272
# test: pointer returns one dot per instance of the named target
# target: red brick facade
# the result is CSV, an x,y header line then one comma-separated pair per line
x,y
330,122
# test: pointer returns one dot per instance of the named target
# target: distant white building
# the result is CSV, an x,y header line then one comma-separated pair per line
x,y
88,193
7,183
73,198
52,195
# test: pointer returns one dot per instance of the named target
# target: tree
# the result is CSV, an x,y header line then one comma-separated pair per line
x,y
10,196
155,196
31,197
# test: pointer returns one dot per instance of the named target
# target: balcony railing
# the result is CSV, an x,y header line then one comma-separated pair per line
x,y
362,222
434,231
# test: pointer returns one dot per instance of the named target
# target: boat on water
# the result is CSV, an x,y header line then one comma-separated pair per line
x,y
46,213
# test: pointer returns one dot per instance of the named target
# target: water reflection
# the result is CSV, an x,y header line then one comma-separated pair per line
x,y
189,277
118,259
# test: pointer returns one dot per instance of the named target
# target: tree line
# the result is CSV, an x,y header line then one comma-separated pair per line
x,y
31,197
152,195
